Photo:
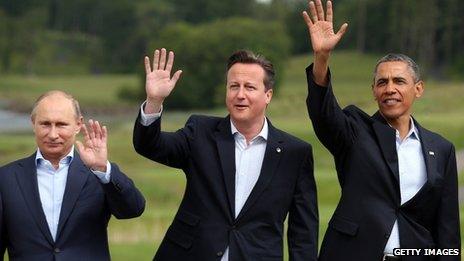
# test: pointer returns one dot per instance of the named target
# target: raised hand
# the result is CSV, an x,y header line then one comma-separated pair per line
x,y
159,82
93,151
320,27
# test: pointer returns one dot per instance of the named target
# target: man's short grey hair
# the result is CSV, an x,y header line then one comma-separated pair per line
x,y
398,57
77,110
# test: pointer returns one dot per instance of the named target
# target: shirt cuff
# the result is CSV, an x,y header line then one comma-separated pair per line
x,y
147,119
104,177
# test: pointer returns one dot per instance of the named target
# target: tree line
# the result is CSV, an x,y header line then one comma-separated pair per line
x,y
111,36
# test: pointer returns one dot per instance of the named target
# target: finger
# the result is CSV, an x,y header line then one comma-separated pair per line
x,y
91,130
308,21
329,12
170,62
156,57
98,131
147,65
312,11
162,62
342,30
320,10
104,134
176,76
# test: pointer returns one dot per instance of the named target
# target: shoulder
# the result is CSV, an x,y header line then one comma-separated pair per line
x,y
204,121
8,168
436,138
291,141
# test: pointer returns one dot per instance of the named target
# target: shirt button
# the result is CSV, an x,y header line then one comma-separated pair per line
x,y
220,253
57,250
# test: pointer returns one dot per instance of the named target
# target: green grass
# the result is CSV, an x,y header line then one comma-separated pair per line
x,y
441,109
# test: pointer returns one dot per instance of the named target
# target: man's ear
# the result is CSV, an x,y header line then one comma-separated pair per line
x,y
269,96
419,88
80,121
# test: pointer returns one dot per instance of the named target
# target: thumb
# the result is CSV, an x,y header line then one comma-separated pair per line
x,y
176,76
342,30
80,146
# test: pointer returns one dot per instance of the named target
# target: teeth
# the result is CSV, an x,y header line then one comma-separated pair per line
x,y
390,101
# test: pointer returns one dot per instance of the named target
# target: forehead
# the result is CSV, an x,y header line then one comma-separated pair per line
x,y
244,71
55,108
394,70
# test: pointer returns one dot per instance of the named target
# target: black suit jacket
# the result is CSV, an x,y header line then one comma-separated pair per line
x,y
205,223
364,150
86,209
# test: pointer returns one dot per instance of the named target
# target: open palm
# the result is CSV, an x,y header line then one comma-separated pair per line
x,y
159,83
320,26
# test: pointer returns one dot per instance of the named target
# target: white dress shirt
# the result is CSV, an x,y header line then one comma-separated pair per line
x,y
52,184
412,175
248,161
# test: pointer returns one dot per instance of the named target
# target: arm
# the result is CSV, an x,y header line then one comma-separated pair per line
x,y
448,214
303,219
323,38
333,128
167,148
123,198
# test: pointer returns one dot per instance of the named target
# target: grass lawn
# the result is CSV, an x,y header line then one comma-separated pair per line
x,y
441,109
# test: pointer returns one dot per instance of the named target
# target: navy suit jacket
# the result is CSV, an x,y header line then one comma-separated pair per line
x,y
364,149
205,223
86,209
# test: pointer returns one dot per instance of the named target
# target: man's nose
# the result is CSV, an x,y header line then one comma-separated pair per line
x,y
53,133
241,93
391,88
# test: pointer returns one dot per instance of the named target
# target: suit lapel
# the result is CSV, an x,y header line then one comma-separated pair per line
x,y
77,176
429,152
272,156
226,149
27,180
386,137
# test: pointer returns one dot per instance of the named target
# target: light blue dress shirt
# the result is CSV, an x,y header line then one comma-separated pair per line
x,y
52,184
249,159
412,175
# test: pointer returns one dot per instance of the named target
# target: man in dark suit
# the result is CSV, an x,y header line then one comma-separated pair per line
x,y
56,203
243,175
398,180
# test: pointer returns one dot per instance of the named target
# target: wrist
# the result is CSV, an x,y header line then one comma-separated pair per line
x,y
153,105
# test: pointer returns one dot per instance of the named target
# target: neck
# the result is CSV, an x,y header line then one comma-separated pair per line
x,y
402,124
249,129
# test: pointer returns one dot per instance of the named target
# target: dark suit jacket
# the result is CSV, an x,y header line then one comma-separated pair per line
x,y
86,209
364,149
205,223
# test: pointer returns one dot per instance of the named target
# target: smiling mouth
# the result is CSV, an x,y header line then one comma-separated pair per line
x,y
391,101
53,144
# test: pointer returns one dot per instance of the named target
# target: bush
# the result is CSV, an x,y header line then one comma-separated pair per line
x,y
202,52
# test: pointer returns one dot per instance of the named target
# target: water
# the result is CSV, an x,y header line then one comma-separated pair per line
x,y
13,121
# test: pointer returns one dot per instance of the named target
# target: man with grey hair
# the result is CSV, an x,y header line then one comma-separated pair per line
x,y
56,203
398,180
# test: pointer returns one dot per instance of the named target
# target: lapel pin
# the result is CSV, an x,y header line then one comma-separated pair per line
x,y
432,153
278,150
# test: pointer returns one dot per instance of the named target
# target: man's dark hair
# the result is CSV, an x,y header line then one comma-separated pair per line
x,y
398,57
248,57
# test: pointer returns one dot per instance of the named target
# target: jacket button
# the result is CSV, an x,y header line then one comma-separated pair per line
x,y
57,250
220,253
387,236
